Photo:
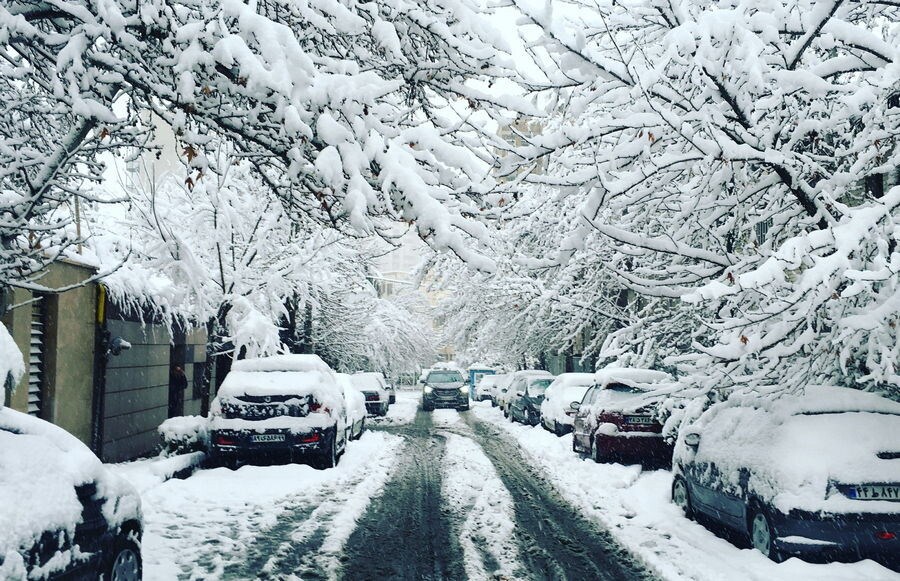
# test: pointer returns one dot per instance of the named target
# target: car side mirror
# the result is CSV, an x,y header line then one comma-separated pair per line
x,y
692,439
575,405
503,390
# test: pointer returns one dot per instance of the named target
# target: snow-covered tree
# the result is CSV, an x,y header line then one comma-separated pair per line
x,y
350,112
730,164
224,253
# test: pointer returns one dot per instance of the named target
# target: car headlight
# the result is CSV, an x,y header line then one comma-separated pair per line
x,y
427,389
464,389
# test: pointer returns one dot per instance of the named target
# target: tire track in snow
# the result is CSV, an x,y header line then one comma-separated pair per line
x,y
308,541
483,507
556,542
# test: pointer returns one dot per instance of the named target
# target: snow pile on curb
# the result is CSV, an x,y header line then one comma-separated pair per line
x,y
150,472
635,506
401,412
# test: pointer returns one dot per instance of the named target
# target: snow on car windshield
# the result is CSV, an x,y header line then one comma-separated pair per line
x,y
539,386
444,377
622,388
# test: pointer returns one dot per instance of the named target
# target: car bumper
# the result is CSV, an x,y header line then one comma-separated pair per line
x,y
241,443
375,407
635,445
445,400
840,537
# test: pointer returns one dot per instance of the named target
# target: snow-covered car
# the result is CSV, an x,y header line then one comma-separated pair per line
x,y
556,409
373,386
392,392
516,384
355,404
499,387
617,417
281,406
525,403
815,474
62,514
484,386
445,388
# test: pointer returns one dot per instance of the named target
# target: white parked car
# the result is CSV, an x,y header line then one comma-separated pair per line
x,y
62,514
815,474
517,381
374,387
499,387
485,385
284,405
556,410
355,403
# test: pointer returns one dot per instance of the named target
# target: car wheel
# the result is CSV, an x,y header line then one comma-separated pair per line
x,y
126,563
557,429
597,454
328,456
762,535
681,497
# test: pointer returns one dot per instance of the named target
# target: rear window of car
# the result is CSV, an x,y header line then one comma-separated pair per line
x,y
622,388
444,377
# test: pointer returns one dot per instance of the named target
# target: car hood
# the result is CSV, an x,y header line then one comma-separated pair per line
x,y
451,385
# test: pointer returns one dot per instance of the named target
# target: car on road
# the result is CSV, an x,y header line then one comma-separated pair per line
x,y
375,388
444,388
618,417
515,384
62,514
813,474
525,403
556,411
287,406
484,385
355,404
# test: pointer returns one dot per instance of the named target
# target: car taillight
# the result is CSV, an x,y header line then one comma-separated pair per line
x,y
310,438
225,441
885,536
315,406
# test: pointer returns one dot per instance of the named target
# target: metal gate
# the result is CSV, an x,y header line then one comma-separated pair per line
x,y
36,358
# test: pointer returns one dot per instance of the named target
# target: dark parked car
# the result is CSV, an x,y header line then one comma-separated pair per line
x,y
62,514
445,388
375,388
814,475
525,403
285,406
617,417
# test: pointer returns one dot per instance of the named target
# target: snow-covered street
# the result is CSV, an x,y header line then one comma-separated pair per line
x,y
442,495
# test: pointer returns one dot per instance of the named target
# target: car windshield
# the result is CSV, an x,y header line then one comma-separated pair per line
x,y
539,386
444,377
622,388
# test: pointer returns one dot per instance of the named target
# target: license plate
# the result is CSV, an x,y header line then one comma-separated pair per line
x,y
639,420
877,492
267,438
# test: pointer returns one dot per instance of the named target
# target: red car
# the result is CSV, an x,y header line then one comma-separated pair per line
x,y
616,419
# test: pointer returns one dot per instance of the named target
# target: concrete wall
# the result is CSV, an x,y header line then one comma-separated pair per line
x,y
69,341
